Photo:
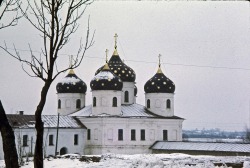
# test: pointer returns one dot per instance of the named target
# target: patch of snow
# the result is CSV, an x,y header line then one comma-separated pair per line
x,y
104,75
70,80
175,160
246,164
2,164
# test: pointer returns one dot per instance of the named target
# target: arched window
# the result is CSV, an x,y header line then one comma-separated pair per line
x,y
114,102
168,104
126,96
59,104
148,103
78,103
94,101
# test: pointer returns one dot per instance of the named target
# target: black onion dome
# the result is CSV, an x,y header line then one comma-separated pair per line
x,y
135,90
71,84
118,67
106,80
159,83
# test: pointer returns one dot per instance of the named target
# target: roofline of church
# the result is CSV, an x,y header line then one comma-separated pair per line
x,y
132,117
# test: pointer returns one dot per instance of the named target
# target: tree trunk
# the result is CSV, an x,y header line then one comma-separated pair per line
x,y
8,138
38,155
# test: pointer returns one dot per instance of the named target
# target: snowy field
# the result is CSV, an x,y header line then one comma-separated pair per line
x,y
145,161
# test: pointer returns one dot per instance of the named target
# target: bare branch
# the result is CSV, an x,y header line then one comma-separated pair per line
x,y
11,7
81,51
55,30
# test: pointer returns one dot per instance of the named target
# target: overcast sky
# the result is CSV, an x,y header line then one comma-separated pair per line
x,y
204,47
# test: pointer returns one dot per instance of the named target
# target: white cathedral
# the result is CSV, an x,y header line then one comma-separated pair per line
x,y
115,122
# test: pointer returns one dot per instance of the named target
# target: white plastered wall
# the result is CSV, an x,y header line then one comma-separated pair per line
x,y
128,86
68,102
104,102
158,103
65,139
104,134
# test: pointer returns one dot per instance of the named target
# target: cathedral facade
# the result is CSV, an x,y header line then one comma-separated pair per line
x,y
115,122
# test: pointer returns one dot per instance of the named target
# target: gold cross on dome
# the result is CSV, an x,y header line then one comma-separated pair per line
x,y
159,68
71,61
159,60
106,51
116,40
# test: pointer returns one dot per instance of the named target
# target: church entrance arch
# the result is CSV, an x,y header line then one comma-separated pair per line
x,y
63,151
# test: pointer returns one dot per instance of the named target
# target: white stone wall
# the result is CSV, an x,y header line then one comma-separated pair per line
x,y
104,102
68,102
65,139
104,134
158,103
128,86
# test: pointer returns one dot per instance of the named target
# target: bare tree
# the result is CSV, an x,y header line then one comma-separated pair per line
x,y
9,147
11,7
56,20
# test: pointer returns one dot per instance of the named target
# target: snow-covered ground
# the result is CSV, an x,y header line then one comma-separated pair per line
x,y
144,161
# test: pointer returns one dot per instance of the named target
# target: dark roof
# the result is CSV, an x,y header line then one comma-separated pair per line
x,y
71,84
118,67
128,111
159,83
200,146
50,121
106,80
